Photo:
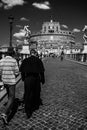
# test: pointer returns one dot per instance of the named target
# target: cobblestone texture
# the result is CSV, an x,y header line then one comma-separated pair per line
x,y
64,98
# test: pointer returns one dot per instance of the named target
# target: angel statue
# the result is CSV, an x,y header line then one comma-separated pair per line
x,y
85,33
27,31
27,34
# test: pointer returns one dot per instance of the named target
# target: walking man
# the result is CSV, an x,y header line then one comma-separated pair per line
x,y
8,71
32,72
62,55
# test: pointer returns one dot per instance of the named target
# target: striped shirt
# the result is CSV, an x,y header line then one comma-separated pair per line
x,y
8,70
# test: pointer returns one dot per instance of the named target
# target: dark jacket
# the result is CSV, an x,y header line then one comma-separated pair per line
x,y
32,66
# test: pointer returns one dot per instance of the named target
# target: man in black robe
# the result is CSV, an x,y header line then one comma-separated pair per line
x,y
32,72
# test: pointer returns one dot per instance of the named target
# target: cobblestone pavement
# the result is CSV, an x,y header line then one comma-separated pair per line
x,y
64,98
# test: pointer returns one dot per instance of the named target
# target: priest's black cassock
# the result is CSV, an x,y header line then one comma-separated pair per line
x,y
32,72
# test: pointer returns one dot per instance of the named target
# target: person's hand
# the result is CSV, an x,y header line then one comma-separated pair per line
x,y
43,81
16,75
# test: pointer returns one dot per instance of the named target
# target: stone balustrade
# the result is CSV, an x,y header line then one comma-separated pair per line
x,y
77,56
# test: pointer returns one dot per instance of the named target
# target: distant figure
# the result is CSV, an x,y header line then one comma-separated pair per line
x,y
8,71
32,72
1,83
62,55
40,56
36,54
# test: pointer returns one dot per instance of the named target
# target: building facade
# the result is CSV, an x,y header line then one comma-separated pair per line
x,y
51,39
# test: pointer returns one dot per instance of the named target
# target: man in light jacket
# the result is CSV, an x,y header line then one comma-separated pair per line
x,y
8,71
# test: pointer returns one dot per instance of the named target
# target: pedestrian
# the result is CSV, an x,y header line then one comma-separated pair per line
x,y
8,71
62,55
32,72
1,83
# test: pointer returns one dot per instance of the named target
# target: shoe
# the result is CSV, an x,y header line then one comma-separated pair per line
x,y
21,107
28,115
35,108
41,103
4,118
5,103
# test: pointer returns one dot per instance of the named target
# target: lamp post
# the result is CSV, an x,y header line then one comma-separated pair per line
x,y
11,18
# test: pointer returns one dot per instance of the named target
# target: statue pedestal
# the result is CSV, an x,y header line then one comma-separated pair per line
x,y
25,51
85,48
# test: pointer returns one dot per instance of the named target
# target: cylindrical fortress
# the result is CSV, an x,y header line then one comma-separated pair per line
x,y
52,38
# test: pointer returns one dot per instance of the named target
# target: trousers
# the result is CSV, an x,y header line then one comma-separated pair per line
x,y
11,96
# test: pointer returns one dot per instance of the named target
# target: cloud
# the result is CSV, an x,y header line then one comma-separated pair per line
x,y
20,34
24,19
65,26
76,30
8,4
47,3
43,5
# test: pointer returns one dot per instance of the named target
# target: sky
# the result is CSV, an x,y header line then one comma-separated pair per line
x,y
71,14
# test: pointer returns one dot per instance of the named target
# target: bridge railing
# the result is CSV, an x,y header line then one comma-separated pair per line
x,y
78,57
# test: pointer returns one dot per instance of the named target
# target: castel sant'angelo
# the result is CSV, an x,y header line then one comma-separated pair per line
x,y
51,38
